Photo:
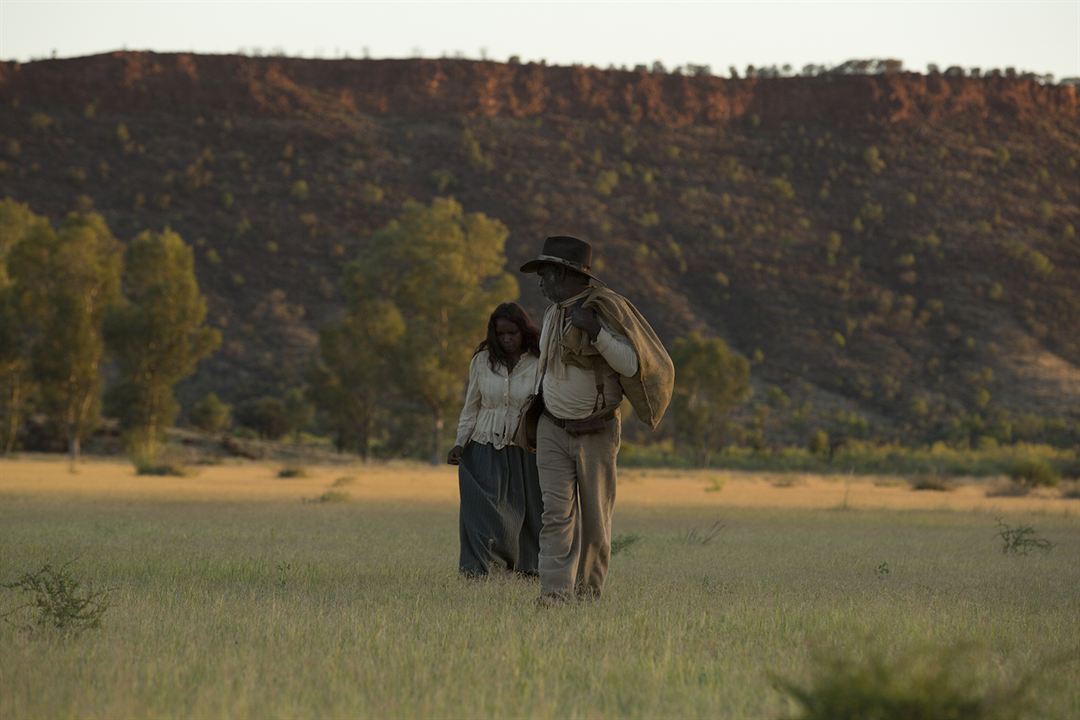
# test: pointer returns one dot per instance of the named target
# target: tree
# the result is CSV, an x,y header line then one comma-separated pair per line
x,y
211,415
16,386
265,415
713,381
66,282
353,378
299,412
157,334
443,271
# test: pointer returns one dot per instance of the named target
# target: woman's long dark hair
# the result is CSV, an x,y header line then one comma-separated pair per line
x,y
530,334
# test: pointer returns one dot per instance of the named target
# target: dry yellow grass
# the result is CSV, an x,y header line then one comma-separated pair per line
x,y
414,482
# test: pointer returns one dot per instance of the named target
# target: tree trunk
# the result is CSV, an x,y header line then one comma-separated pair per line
x,y
73,445
365,437
436,437
14,415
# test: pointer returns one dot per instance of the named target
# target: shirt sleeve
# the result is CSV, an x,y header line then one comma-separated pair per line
x,y
471,408
617,351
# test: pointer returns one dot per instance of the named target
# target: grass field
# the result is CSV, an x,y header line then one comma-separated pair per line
x,y
238,593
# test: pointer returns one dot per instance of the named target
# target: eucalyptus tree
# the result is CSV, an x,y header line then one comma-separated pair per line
x,y
16,385
442,271
158,335
713,381
65,283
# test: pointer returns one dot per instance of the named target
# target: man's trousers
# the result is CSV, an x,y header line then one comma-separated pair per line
x,y
577,480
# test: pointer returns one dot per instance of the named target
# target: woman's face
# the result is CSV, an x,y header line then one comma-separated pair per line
x,y
508,335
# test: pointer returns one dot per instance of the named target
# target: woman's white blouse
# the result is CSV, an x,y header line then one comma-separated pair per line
x,y
494,400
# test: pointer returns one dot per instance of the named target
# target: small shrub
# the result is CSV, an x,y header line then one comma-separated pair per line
x,y
343,481
443,180
41,122
1020,540
300,190
58,600
476,156
1033,473
716,484
292,471
782,188
606,181
872,158
1008,488
283,569
372,193
210,414
330,496
624,542
649,219
922,685
162,469
703,537
931,482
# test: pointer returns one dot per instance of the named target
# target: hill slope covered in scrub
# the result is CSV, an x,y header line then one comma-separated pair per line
x,y
897,254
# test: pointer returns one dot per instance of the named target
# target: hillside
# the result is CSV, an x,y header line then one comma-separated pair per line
x,y
896,253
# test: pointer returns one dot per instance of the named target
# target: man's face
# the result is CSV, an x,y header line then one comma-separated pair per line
x,y
551,282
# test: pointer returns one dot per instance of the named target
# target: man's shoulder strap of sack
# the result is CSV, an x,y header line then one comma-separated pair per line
x,y
599,368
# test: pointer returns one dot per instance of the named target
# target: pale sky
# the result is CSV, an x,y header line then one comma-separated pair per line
x,y
1038,35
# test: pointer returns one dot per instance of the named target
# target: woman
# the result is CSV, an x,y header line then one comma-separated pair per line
x,y
500,488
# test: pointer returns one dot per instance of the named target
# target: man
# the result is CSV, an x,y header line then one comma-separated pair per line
x,y
594,347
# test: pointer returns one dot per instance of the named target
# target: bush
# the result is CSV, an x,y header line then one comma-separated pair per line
x,y
300,190
1033,473
932,482
443,180
292,471
211,415
872,158
623,542
58,600
921,685
606,180
160,469
782,188
372,193
331,496
265,415
1020,540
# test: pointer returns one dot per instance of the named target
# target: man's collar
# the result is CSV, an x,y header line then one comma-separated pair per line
x,y
571,300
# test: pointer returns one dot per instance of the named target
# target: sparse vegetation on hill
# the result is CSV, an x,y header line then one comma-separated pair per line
x,y
896,255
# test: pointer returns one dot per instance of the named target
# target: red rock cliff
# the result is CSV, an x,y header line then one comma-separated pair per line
x,y
190,84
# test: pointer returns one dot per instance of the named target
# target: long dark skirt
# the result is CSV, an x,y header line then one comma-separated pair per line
x,y
500,509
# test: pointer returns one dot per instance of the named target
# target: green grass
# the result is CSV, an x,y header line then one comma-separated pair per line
x,y
279,609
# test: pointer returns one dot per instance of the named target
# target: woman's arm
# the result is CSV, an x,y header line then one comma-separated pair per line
x,y
471,408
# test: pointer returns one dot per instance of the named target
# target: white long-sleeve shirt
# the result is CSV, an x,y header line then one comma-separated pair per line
x,y
494,400
569,390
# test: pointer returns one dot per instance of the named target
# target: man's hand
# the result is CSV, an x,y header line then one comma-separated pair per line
x,y
585,319
454,456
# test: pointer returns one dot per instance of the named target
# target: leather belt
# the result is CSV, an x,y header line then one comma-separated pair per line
x,y
602,417
559,422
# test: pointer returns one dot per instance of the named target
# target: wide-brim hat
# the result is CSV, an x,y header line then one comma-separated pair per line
x,y
563,250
